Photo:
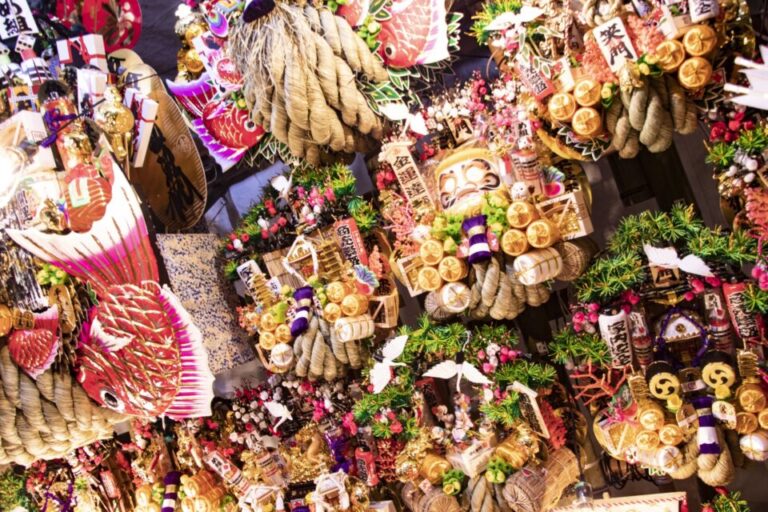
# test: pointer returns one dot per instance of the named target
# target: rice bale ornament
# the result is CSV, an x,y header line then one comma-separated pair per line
x,y
301,66
140,354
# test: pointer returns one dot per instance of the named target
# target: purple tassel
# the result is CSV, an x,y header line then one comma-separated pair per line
x,y
303,298
256,9
479,250
171,493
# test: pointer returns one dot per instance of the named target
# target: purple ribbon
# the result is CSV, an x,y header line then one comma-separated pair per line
x,y
55,121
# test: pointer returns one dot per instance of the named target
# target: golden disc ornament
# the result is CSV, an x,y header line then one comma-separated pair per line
x,y
694,73
429,279
332,312
336,291
670,55
521,213
514,242
587,92
700,40
561,107
431,252
452,269
542,233
587,122
283,334
671,435
746,423
267,340
354,305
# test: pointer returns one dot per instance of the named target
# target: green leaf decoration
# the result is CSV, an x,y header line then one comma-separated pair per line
x,y
505,412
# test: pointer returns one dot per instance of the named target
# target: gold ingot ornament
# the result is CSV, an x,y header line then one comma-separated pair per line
x,y
116,121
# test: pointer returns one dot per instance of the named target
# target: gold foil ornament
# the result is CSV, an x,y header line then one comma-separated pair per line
x,y
647,440
116,121
746,422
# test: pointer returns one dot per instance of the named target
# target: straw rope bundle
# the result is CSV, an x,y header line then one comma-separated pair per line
x,y
300,67
649,115
48,417
717,469
480,496
317,358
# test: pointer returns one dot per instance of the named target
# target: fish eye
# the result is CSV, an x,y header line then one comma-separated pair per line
x,y
250,125
110,400
389,50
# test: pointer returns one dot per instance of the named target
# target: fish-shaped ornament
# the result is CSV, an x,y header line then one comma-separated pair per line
x,y
417,33
226,130
140,354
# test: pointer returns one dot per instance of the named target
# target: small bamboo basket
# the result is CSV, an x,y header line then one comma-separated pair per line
x,y
537,488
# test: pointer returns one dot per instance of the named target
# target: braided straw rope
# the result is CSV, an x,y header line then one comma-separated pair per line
x,y
48,417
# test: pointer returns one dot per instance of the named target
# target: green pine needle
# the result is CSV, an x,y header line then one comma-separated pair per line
x,y
490,11
581,348
506,412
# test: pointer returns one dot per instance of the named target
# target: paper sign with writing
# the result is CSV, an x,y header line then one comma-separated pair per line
x,y
350,241
16,18
529,407
398,155
614,43
701,10
534,79
614,329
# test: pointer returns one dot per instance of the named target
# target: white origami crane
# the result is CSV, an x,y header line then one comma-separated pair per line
x,y
381,374
458,369
278,410
756,95
667,258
